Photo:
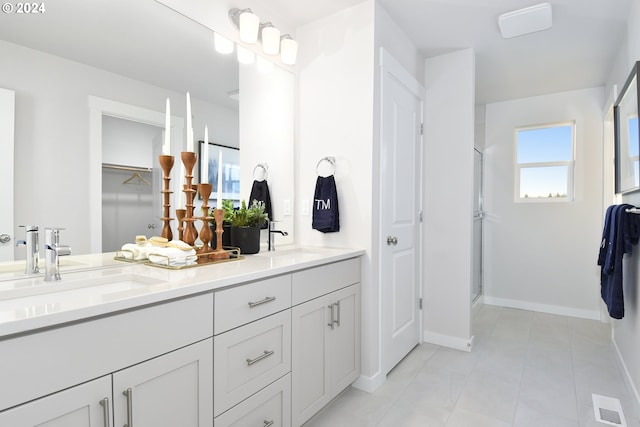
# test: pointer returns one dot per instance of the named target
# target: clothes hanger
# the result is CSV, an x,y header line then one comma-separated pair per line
x,y
136,175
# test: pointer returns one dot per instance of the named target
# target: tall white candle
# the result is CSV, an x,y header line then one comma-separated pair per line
x,y
205,157
219,201
189,125
166,147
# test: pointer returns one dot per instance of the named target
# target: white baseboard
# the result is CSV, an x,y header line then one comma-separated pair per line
x,y
543,308
626,375
369,384
456,343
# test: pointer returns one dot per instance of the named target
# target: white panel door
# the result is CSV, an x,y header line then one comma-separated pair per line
x,y
86,405
7,126
175,389
400,206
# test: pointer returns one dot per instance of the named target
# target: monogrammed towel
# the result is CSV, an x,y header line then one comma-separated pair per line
x,y
325,205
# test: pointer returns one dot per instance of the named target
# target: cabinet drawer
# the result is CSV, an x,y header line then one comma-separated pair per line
x,y
314,282
248,358
243,304
271,404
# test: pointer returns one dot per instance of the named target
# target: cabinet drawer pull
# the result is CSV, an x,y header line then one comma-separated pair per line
x,y
129,393
268,423
330,306
105,411
266,354
262,301
337,322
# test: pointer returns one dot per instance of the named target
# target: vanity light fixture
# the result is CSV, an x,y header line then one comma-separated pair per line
x,y
288,50
222,44
270,38
247,23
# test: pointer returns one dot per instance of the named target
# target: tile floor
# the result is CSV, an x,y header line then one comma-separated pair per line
x,y
526,370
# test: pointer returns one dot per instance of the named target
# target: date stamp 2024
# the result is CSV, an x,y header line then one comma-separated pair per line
x,y
23,8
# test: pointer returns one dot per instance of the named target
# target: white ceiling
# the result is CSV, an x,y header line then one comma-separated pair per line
x,y
575,53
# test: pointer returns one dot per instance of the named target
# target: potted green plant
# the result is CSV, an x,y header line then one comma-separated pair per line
x,y
245,226
227,206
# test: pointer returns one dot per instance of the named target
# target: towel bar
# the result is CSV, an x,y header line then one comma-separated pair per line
x,y
331,160
265,171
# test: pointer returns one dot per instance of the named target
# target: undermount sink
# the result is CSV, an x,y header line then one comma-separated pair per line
x,y
34,297
294,253
13,269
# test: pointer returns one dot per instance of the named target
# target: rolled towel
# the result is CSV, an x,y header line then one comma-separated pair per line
x,y
177,254
135,251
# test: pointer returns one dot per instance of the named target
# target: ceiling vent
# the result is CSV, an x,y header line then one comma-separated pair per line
x,y
525,21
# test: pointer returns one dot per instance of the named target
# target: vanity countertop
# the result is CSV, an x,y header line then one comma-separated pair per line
x,y
97,285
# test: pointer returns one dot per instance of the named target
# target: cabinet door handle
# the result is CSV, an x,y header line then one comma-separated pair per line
x,y
330,306
264,355
268,423
105,411
262,301
337,322
129,393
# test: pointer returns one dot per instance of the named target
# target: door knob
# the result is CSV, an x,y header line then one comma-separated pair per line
x,y
392,240
5,238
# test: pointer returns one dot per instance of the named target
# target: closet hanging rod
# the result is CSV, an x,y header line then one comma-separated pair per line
x,y
126,168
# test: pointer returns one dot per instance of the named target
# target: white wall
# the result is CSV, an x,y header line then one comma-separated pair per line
x,y
335,75
448,196
540,256
269,114
626,332
52,134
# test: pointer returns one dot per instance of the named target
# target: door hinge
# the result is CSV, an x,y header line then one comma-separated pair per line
x,y
421,128
420,303
420,216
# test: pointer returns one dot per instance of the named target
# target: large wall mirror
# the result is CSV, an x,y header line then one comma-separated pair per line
x,y
627,141
80,68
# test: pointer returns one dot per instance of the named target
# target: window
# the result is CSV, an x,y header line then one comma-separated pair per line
x,y
544,163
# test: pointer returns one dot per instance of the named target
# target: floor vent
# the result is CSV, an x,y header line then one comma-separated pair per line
x,y
608,411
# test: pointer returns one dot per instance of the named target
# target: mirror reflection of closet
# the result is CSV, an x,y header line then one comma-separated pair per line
x,y
129,181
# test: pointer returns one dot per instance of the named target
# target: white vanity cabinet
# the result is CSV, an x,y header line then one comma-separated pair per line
x,y
163,353
325,335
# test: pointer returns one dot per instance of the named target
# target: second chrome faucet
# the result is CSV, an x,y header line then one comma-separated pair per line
x,y
53,251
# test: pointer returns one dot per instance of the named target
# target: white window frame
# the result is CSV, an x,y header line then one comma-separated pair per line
x,y
569,164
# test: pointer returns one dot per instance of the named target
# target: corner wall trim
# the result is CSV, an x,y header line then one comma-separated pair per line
x,y
369,384
455,343
543,308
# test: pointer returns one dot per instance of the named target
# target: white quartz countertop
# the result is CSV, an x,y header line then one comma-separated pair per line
x,y
96,285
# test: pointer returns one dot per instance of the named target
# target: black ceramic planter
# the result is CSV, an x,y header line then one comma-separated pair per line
x,y
226,236
246,238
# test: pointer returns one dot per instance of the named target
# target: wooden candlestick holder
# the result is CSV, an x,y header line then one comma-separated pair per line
x,y
219,253
205,231
180,213
166,163
190,233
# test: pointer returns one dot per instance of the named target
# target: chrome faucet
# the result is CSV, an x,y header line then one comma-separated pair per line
x,y
272,246
31,242
53,250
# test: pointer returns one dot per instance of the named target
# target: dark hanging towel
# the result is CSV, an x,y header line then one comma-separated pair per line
x,y
621,231
325,205
260,192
